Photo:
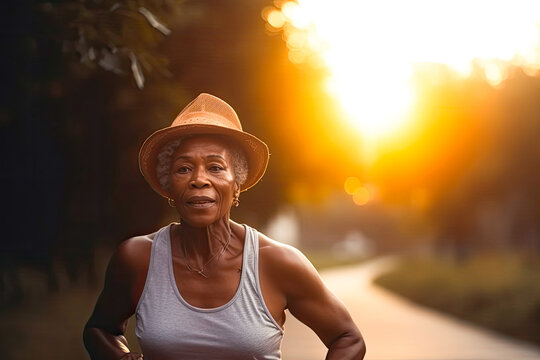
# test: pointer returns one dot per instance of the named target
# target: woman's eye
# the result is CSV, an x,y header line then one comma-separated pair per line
x,y
182,169
216,168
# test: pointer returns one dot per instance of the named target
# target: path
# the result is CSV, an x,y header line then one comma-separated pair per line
x,y
396,329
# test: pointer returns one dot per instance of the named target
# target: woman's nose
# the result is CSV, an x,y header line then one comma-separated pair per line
x,y
199,179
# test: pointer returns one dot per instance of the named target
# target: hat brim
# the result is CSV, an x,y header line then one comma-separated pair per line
x,y
256,151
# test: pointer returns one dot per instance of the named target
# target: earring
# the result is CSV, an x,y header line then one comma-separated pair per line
x,y
171,202
236,199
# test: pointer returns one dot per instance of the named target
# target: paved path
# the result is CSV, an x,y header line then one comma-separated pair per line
x,y
396,329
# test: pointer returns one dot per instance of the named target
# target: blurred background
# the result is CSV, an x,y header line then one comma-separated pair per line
x,y
395,127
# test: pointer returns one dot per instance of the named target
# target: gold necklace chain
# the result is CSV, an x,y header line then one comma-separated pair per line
x,y
215,256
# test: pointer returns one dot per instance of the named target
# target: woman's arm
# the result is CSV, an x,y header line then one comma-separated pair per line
x,y
103,345
311,302
124,280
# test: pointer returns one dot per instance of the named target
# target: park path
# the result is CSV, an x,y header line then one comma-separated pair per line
x,y
396,329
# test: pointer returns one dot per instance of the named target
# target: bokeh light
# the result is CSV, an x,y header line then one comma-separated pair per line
x,y
361,196
352,184
276,19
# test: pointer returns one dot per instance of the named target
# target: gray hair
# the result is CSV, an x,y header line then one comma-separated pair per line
x,y
164,163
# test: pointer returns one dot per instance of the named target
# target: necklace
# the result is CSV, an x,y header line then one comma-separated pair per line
x,y
213,257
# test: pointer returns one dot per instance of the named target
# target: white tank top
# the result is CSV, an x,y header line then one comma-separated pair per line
x,y
168,328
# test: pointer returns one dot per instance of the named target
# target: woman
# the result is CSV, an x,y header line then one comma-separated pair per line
x,y
207,287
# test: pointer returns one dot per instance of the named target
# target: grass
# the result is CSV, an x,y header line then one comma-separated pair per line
x,y
326,259
498,291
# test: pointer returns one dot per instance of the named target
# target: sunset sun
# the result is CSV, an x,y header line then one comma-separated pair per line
x,y
372,49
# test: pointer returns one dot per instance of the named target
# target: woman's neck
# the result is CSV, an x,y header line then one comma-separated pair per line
x,y
199,244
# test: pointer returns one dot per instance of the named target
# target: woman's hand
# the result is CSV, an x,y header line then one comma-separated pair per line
x,y
132,356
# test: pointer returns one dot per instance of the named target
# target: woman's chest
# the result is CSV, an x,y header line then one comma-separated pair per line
x,y
225,334
230,323
220,287
210,289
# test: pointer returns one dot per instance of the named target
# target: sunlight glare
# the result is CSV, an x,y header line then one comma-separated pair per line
x,y
371,49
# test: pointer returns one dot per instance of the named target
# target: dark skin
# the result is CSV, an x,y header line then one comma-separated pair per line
x,y
202,186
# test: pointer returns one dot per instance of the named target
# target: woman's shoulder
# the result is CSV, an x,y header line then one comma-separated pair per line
x,y
284,258
134,253
274,247
288,268
136,245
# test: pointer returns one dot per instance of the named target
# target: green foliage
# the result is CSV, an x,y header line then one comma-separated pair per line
x,y
118,36
499,291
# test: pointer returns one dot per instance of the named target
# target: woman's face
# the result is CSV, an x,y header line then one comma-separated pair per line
x,y
202,181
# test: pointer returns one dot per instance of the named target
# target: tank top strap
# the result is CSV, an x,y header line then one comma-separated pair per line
x,y
253,279
251,252
161,249
159,255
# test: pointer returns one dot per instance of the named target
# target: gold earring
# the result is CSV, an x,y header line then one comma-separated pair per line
x,y
236,199
171,202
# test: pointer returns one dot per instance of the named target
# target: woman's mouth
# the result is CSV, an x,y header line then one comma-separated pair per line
x,y
200,202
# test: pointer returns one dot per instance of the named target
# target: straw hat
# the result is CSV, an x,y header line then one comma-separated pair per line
x,y
206,114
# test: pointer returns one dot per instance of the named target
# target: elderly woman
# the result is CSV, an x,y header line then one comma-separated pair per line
x,y
208,287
